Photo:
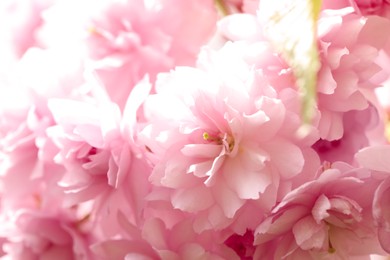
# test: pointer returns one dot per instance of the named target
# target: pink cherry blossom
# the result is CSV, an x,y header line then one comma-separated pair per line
x,y
101,162
37,235
24,145
125,40
346,82
324,218
223,139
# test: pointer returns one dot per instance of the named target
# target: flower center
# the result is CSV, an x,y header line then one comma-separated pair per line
x,y
226,140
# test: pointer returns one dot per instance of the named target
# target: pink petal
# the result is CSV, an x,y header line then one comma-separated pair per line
x,y
274,109
227,199
326,82
320,208
137,96
48,228
154,232
91,134
193,251
58,253
247,183
200,169
71,112
201,150
375,158
119,165
285,156
252,123
309,234
384,239
118,249
372,33
281,223
192,199
331,125
216,166
380,209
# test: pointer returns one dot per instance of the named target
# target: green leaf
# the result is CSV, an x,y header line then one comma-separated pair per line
x,y
291,26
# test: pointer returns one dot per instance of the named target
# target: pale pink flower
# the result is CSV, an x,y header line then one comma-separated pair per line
x,y
30,196
124,40
100,161
219,137
351,67
102,164
328,218
34,235
24,146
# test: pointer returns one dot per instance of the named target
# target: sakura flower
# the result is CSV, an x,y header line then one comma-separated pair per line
x,y
95,145
324,218
125,40
24,146
219,137
351,68
99,160
30,195
345,83
36,235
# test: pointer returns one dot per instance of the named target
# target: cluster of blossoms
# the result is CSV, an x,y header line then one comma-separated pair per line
x,y
172,129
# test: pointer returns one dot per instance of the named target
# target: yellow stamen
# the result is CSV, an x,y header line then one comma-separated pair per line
x,y
331,249
94,31
208,137
226,140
